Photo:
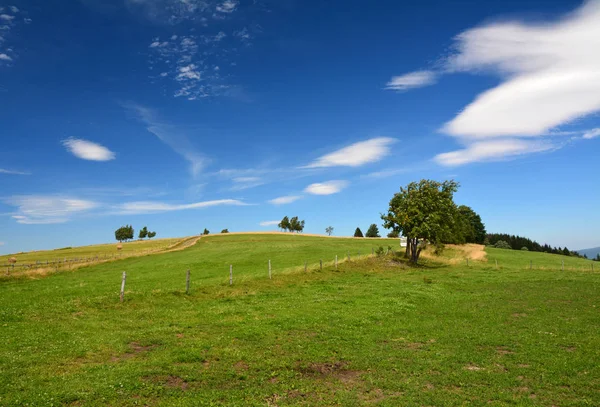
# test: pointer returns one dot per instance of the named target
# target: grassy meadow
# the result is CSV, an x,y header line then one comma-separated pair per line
x,y
372,332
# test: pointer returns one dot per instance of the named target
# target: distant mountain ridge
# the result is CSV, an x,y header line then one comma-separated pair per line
x,y
590,253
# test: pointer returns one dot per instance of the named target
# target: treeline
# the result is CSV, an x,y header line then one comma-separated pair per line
x,y
292,225
522,243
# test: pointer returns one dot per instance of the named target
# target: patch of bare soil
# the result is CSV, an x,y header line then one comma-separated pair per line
x,y
135,348
172,382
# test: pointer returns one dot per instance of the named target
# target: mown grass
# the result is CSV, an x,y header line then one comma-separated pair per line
x,y
374,332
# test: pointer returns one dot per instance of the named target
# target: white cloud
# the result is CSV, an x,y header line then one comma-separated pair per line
x,y
551,71
550,76
357,154
6,17
87,150
154,207
283,200
41,209
171,135
590,134
492,150
228,6
14,9
412,80
4,57
13,172
269,223
326,188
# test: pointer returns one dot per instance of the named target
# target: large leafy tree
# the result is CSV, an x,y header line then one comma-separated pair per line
x,y
422,211
373,231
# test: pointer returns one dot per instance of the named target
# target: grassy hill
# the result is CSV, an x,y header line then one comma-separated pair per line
x,y
372,332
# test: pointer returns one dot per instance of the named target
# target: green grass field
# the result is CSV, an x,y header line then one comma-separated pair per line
x,y
372,332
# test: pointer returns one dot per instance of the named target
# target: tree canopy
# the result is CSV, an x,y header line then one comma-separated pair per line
x,y
422,211
225,231
373,231
358,233
124,233
329,230
143,233
292,225
206,232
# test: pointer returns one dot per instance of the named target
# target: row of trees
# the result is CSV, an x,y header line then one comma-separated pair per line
x,y
425,211
125,233
373,231
506,241
145,233
292,225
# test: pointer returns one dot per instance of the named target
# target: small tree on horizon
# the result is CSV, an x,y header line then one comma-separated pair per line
x,y
284,225
329,230
373,231
124,233
143,233
151,235
358,233
206,232
225,231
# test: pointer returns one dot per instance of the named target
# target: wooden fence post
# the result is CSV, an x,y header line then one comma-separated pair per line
x,y
123,286
231,274
496,264
467,262
269,269
562,267
305,266
348,254
321,265
530,264
336,261
187,282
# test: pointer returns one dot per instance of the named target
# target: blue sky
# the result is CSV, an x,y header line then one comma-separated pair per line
x,y
186,114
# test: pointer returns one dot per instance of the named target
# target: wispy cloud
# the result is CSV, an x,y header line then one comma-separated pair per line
x,y
550,75
284,200
88,150
590,134
355,155
173,136
326,188
143,207
241,183
13,172
269,223
44,209
411,80
493,150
